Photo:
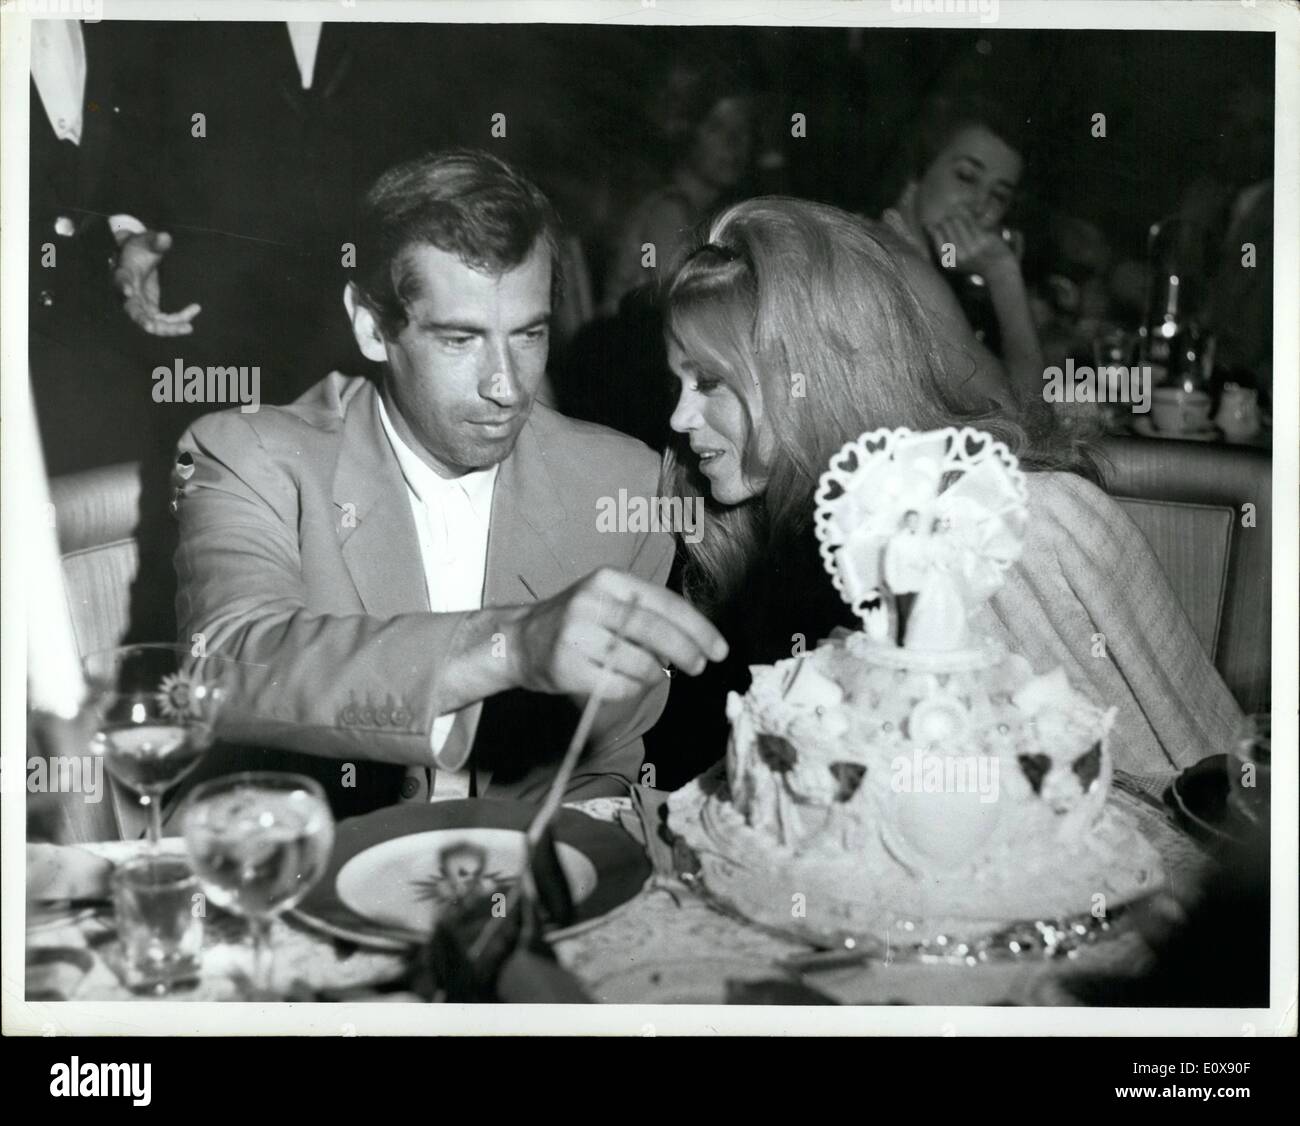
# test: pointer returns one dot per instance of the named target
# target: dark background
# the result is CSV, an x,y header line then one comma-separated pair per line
x,y
575,97
260,206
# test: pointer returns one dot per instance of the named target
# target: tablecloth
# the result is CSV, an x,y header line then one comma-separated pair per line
x,y
665,945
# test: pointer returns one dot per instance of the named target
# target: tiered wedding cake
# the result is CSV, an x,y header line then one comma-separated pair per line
x,y
914,779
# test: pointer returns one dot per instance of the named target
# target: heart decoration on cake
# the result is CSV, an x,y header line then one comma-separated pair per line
x,y
929,520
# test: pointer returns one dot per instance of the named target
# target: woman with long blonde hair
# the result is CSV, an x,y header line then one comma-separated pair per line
x,y
794,328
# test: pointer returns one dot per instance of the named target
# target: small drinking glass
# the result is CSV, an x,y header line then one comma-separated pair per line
x,y
259,841
155,708
1249,767
160,911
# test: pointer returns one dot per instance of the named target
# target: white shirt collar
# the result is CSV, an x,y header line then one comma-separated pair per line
x,y
433,488
304,35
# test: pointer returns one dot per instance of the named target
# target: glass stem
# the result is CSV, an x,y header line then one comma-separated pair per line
x,y
260,926
153,806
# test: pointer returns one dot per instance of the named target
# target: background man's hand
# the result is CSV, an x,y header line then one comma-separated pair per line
x,y
136,278
563,641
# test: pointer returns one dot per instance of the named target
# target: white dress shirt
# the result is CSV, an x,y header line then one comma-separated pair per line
x,y
304,35
452,516
59,71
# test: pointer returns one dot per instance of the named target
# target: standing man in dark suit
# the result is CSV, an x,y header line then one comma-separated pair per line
x,y
93,286
413,574
271,133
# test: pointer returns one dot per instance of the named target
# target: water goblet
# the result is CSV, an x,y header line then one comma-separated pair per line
x,y
259,841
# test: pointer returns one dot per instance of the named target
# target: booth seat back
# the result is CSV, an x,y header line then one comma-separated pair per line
x,y
97,514
1206,510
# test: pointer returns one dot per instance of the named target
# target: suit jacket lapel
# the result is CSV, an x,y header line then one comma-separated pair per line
x,y
526,553
373,516
333,60
96,116
526,557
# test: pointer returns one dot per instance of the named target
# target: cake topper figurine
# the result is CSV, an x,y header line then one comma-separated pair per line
x,y
906,566
925,522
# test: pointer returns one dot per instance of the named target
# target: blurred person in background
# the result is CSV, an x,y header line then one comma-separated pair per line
x,y
1071,302
1227,229
615,371
964,167
704,113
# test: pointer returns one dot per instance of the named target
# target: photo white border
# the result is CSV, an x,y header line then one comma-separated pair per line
x,y
244,1019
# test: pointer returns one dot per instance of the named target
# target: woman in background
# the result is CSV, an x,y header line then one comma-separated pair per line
x,y
614,371
964,169
794,329
705,114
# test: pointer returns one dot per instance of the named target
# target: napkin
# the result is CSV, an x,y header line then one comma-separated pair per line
x,y
61,872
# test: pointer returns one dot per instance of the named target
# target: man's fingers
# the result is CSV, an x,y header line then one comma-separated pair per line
x,y
590,651
634,662
157,323
156,327
184,316
617,685
665,642
672,608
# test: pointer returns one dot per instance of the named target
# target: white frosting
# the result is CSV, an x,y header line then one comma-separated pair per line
x,y
957,765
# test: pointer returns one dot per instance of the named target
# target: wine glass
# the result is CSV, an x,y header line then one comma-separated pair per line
x,y
155,707
259,841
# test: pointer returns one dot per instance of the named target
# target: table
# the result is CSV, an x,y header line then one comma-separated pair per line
x,y
665,945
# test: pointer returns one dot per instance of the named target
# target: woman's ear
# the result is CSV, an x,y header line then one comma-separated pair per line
x,y
364,325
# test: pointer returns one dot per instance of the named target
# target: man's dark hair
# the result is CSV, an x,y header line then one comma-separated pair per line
x,y
461,201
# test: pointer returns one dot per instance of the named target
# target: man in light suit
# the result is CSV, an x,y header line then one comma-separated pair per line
x,y
410,574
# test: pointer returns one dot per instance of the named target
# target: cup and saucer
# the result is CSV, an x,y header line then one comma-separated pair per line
x,y
1178,413
1144,427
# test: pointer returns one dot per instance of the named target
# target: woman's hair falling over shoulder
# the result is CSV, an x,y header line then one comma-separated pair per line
x,y
803,309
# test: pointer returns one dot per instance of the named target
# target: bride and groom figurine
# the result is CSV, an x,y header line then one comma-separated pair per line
x,y
922,569
926,522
